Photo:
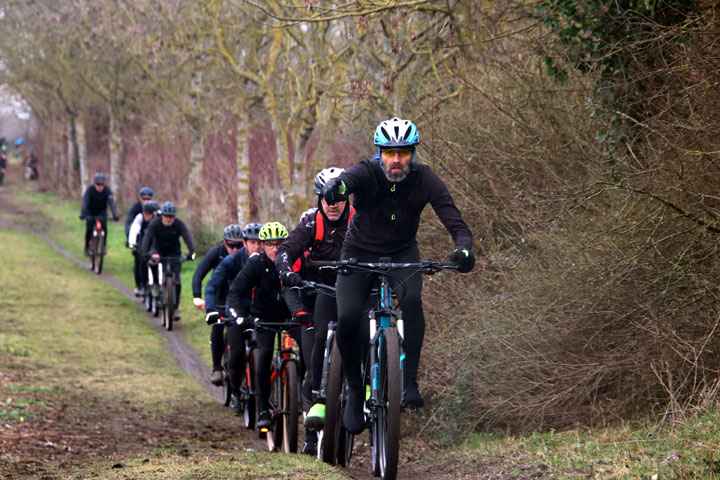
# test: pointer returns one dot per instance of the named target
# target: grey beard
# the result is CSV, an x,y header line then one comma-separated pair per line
x,y
399,177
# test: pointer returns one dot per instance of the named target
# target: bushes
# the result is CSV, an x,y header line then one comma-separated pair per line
x,y
596,295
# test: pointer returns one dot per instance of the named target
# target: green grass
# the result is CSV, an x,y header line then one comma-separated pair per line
x,y
63,226
71,343
143,373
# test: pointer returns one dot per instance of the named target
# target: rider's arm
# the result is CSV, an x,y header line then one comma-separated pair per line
x,y
292,300
358,177
131,216
445,208
209,261
111,202
299,240
185,232
218,281
243,284
135,228
149,236
85,201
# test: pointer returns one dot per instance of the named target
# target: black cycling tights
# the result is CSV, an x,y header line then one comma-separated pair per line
x,y
266,345
90,226
353,291
217,344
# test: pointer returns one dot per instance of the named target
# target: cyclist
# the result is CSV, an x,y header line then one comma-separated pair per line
x,y
260,279
162,239
3,157
95,201
390,191
215,297
318,236
146,195
137,231
232,242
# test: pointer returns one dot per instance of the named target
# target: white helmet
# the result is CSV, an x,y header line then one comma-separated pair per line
x,y
324,176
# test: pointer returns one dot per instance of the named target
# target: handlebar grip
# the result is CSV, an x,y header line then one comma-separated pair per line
x,y
322,263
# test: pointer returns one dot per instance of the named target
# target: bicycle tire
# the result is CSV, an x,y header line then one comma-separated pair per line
x,y
387,427
333,407
227,391
275,433
289,407
169,301
246,390
93,252
100,255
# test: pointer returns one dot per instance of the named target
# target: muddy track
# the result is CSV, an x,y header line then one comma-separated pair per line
x,y
187,358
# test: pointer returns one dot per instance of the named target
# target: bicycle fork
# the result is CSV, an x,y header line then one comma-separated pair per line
x,y
326,361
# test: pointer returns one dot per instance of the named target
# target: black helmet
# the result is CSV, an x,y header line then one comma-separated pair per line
x,y
252,231
168,209
151,207
233,233
99,178
146,192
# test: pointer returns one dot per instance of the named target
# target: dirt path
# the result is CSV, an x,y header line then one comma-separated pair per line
x,y
190,362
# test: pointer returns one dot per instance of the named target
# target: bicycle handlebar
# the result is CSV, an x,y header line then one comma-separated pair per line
x,y
256,322
319,287
428,267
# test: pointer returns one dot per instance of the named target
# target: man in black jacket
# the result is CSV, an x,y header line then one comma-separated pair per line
x,y
146,195
260,278
162,239
390,191
318,236
232,242
95,202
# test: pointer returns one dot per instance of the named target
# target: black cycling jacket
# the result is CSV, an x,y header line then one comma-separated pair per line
x,y
302,237
166,240
136,208
260,279
212,259
95,203
387,214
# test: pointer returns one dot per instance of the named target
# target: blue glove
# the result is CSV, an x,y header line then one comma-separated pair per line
x,y
464,259
335,191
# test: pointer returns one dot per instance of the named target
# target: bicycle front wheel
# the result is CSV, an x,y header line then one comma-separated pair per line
x,y
247,392
100,255
289,407
333,429
169,309
386,428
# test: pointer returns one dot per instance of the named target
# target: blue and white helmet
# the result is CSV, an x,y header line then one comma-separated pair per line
x,y
396,132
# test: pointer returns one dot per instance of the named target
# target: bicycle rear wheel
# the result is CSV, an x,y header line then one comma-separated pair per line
x,y
289,407
227,391
386,427
93,252
332,430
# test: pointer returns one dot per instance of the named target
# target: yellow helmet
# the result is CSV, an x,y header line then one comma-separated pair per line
x,y
273,231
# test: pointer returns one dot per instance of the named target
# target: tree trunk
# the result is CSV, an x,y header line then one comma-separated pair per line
x,y
283,172
197,155
71,157
80,148
117,157
243,168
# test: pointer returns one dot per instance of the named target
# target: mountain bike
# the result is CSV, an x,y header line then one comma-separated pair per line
x,y
334,441
285,387
97,247
384,367
246,394
163,290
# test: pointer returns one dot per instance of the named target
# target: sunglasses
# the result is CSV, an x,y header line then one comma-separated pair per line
x,y
273,244
403,153
233,246
146,198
